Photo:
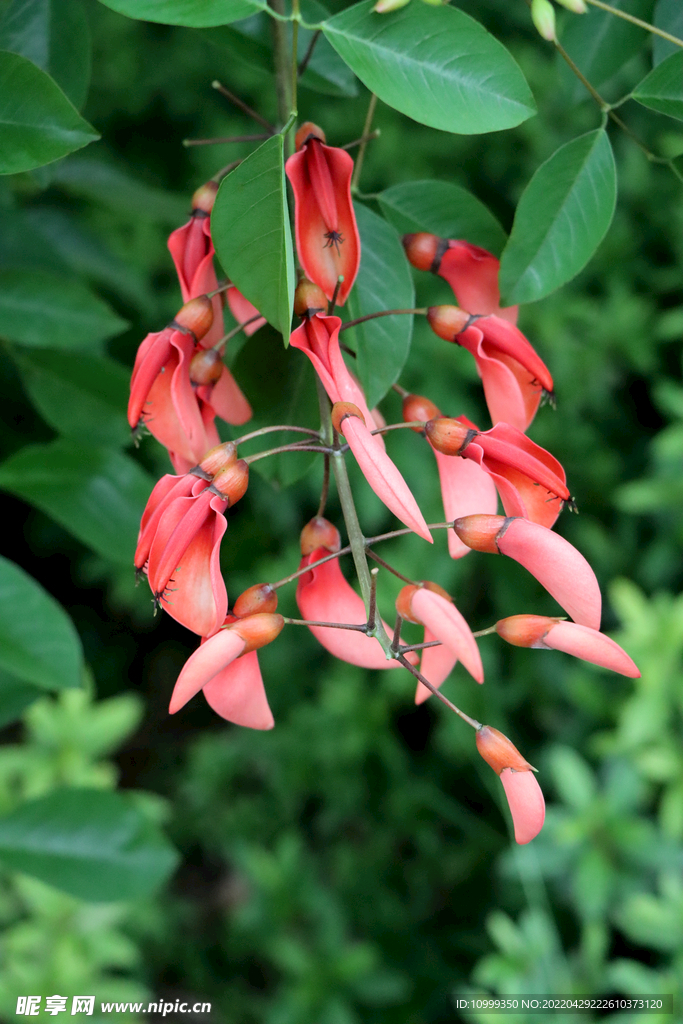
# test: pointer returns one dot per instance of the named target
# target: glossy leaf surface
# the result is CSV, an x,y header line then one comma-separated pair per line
x,y
442,209
600,44
668,17
662,90
192,13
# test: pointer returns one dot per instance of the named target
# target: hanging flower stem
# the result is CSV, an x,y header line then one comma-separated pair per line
x,y
385,565
331,625
274,429
367,127
437,693
219,87
381,312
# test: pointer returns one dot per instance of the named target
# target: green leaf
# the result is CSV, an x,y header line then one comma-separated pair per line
x,y
326,72
250,229
38,642
442,209
600,44
54,34
42,309
191,13
38,124
669,18
437,65
562,217
93,844
662,90
15,697
119,190
97,494
80,395
384,282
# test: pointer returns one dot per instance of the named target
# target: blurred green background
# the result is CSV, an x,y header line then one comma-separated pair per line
x,y
354,866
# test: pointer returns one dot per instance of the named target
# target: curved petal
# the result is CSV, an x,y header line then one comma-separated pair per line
x,y
527,805
557,566
472,273
436,666
503,337
171,412
152,355
202,666
237,693
165,490
511,396
243,310
466,489
192,252
447,624
227,400
582,642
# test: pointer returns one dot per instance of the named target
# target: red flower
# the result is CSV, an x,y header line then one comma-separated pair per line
x,y
523,792
514,376
471,272
327,238
554,634
531,483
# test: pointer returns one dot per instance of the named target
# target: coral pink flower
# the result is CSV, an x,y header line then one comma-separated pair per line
x,y
531,483
324,595
471,272
327,239
465,487
557,566
242,310
554,634
514,376
226,668
431,606
523,792
216,388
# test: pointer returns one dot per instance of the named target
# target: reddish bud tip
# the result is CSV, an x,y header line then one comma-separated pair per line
x,y
480,532
341,411
319,533
525,630
425,251
307,131
499,752
447,321
258,630
416,407
196,316
259,598
309,299
231,483
206,367
219,458
403,600
205,197
448,436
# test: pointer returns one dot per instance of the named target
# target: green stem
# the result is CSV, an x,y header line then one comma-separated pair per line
x,y
282,57
367,127
637,21
437,693
381,312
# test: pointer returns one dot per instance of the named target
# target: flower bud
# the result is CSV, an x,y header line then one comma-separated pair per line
x,y
480,532
575,6
425,251
259,598
231,483
406,594
206,367
385,6
196,316
342,410
447,321
219,458
319,533
306,131
416,407
525,630
309,299
499,752
258,630
449,436
543,17
204,197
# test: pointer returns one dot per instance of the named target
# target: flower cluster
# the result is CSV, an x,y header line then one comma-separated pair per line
x,y
180,384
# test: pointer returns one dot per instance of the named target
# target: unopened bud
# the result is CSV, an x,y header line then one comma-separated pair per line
x,y
206,367
219,458
231,483
525,630
499,752
406,594
425,251
341,411
418,408
481,531
575,6
258,630
543,17
447,321
204,197
319,533
385,6
449,436
259,598
309,299
195,316
307,131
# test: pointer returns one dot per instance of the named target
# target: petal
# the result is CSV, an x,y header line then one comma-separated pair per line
x,y
511,396
502,337
383,476
227,400
447,624
527,805
472,273
466,489
165,490
582,642
243,310
202,666
557,566
437,664
192,251
172,413
152,355
237,693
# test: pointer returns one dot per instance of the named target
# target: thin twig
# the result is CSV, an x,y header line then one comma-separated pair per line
x,y
367,127
223,140
637,21
325,489
243,106
272,430
372,603
396,639
364,138
381,312
437,693
408,424
405,648
330,625
385,565
333,301
309,52
288,448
